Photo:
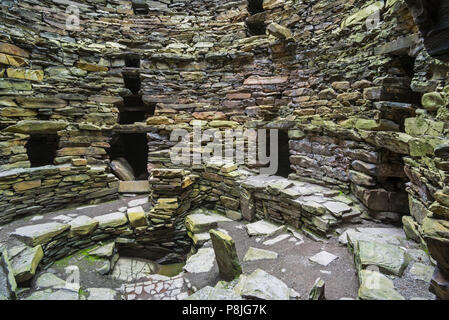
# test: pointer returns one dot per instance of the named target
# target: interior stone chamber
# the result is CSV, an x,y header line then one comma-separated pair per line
x,y
361,110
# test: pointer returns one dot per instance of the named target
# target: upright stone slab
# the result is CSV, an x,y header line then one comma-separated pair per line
x,y
226,255
318,290
8,284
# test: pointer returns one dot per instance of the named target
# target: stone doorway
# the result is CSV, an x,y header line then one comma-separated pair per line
x,y
129,156
284,167
41,149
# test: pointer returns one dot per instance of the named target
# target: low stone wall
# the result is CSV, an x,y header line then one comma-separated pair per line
x,y
131,231
45,189
299,204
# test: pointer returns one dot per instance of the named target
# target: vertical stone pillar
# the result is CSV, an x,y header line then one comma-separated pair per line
x,y
226,255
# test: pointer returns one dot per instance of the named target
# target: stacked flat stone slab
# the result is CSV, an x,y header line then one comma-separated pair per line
x,y
299,204
53,187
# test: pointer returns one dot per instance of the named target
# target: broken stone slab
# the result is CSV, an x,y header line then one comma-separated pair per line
x,y
211,293
254,254
422,272
49,280
202,261
337,209
105,251
138,202
133,269
111,220
318,290
277,239
261,285
323,258
376,286
134,187
391,236
200,222
199,239
48,294
24,261
8,285
388,258
81,226
263,228
101,294
234,215
226,255
122,169
137,217
276,187
34,235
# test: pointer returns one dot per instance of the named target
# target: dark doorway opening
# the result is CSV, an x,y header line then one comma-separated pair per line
x,y
133,147
284,168
132,82
255,6
256,24
130,117
41,149
140,7
132,61
135,110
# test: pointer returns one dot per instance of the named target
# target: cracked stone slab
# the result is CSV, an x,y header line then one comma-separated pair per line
x,y
200,222
422,272
48,294
101,294
254,254
323,258
137,202
376,286
388,258
202,261
210,293
379,235
49,280
105,251
279,238
261,285
133,269
34,235
337,208
263,228
156,287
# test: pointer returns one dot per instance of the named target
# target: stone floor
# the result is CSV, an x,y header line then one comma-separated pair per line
x,y
265,250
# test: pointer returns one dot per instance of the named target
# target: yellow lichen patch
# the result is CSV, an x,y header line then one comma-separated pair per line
x,y
26,74
12,60
91,67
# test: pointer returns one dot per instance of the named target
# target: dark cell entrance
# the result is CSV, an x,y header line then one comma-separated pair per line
x,y
134,110
132,82
255,6
41,149
140,7
284,155
255,23
134,148
132,61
